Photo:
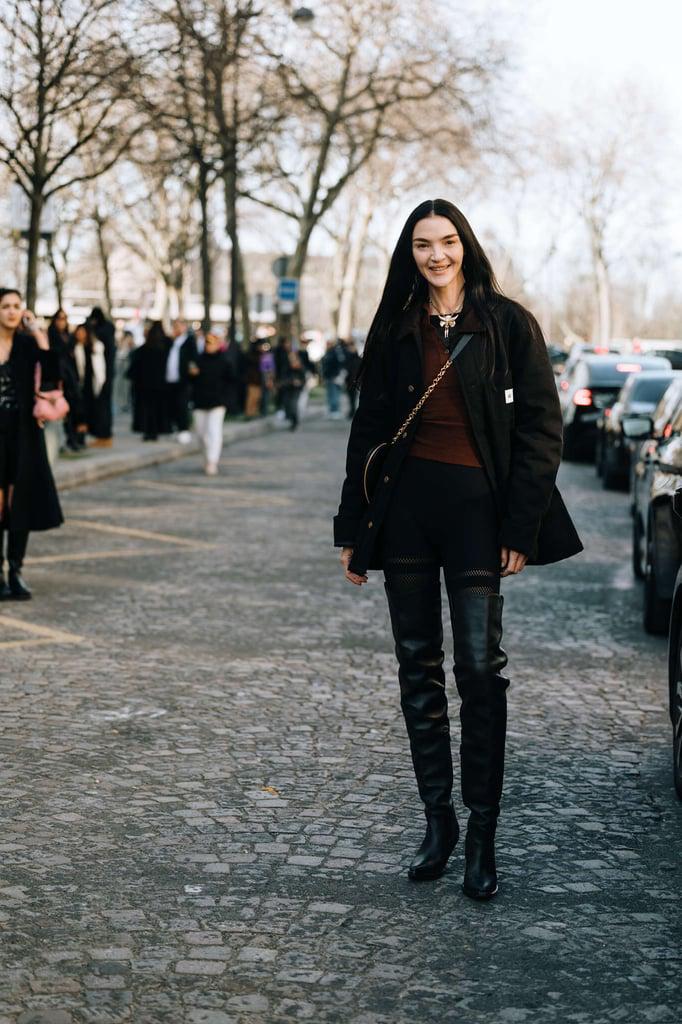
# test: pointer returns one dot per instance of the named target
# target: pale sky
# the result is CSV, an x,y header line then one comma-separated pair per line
x,y
606,40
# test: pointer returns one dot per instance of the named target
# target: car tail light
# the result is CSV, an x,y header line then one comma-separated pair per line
x,y
607,412
668,430
583,396
628,367
600,350
564,385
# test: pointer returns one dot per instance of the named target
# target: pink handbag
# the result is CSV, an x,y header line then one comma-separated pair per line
x,y
48,405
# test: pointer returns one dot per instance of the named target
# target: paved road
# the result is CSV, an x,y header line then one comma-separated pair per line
x,y
207,801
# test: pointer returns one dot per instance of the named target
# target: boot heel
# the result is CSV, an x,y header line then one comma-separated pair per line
x,y
480,875
442,833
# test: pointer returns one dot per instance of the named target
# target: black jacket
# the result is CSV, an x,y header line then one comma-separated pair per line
x,y
210,388
35,505
515,418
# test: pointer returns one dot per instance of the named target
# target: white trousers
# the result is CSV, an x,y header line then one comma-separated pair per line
x,y
209,427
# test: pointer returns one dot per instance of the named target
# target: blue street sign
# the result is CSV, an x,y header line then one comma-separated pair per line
x,y
287,289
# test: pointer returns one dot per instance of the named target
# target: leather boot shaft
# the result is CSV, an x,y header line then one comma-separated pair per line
x,y
418,632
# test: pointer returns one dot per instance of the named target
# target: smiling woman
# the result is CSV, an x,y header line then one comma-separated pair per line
x,y
459,377
28,498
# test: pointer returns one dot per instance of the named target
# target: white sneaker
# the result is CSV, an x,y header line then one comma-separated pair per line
x,y
184,437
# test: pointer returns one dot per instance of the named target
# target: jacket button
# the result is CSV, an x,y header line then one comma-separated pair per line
x,y
410,387
386,479
370,524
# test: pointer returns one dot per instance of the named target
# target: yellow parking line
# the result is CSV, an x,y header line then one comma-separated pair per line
x,y
240,498
86,556
131,531
39,634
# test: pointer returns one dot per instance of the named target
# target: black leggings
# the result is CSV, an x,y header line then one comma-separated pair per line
x,y
442,515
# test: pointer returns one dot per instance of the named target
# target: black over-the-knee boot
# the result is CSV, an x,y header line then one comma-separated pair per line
x,y
479,659
4,589
16,549
418,632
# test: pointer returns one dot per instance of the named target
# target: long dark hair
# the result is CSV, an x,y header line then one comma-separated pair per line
x,y
156,336
406,288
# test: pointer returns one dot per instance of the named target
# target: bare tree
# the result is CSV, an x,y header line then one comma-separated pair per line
x,y
605,156
61,94
156,221
367,78
229,86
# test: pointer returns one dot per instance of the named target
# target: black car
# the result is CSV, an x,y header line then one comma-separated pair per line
x,y
656,530
638,397
593,386
675,664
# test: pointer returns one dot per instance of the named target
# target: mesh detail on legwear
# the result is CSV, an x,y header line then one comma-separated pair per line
x,y
476,581
408,571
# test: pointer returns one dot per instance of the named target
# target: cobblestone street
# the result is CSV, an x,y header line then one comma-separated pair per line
x,y
208,805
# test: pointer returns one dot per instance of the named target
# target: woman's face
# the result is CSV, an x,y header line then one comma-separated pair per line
x,y
11,308
80,336
60,321
437,250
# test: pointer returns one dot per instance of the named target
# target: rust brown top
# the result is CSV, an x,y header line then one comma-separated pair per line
x,y
444,432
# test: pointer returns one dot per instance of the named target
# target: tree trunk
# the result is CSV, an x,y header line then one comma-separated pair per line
x,y
238,288
603,287
58,277
36,201
206,282
349,285
103,250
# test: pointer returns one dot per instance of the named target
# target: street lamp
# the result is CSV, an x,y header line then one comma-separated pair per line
x,y
303,15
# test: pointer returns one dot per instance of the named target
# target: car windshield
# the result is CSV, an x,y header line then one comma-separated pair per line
x,y
612,373
648,389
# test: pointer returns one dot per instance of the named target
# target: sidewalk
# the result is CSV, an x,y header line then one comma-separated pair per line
x,y
130,452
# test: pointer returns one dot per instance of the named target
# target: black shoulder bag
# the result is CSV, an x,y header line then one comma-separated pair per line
x,y
377,456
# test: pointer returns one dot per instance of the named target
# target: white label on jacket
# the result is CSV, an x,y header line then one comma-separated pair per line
x,y
509,395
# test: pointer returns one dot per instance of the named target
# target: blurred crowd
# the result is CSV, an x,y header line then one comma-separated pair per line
x,y
171,382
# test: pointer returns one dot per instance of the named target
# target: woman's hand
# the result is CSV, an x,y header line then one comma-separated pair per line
x,y
30,324
511,562
346,555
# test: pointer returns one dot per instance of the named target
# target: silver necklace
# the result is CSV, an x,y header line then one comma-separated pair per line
x,y
446,320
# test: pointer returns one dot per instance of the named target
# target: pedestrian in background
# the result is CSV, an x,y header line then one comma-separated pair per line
x,y
91,414
28,497
182,352
147,371
333,366
353,362
267,373
468,485
104,331
291,384
211,375
310,377
122,386
58,431
254,382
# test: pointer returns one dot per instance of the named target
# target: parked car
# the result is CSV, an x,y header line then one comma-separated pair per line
x,y
638,397
593,386
675,664
578,352
656,530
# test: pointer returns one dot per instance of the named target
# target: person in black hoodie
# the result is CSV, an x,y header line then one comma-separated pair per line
x,y
104,331
211,377
59,336
291,384
147,371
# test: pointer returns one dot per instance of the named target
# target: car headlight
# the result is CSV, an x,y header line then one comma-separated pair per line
x,y
664,483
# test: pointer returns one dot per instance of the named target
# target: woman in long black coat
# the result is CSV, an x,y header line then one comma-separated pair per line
x,y
467,485
147,371
28,497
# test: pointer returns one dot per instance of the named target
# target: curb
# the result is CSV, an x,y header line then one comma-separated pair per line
x,y
76,475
